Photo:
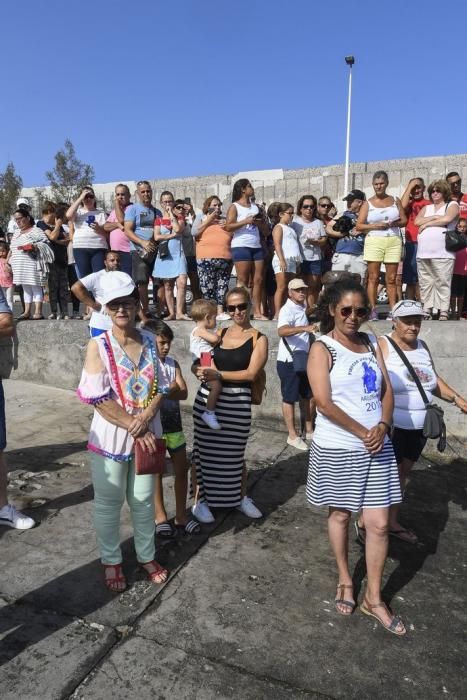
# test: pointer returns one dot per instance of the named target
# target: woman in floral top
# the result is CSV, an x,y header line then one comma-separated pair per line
x,y
121,380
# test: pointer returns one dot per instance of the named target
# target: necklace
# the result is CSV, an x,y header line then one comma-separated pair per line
x,y
114,369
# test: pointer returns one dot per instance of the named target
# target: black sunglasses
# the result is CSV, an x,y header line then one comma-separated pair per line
x,y
360,311
308,206
231,308
326,206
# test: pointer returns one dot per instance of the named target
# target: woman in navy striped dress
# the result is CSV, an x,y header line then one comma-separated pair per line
x,y
352,465
219,455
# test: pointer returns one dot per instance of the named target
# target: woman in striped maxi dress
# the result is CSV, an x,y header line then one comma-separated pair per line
x,y
219,455
352,465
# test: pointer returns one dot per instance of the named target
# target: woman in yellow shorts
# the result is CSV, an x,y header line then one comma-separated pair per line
x,y
380,219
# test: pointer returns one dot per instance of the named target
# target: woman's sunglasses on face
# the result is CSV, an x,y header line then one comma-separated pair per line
x,y
325,206
359,311
231,308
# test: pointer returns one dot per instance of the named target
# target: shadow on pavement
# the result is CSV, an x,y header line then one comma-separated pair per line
x,y
34,458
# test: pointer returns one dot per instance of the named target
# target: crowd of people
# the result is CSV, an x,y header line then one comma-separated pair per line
x,y
400,244
364,400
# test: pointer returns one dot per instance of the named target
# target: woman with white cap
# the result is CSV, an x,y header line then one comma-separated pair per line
x,y
121,380
409,407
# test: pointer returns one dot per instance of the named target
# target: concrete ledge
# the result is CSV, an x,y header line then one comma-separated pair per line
x,y
52,353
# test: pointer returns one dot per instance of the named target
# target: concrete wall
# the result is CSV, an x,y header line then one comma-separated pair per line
x,y
289,185
52,353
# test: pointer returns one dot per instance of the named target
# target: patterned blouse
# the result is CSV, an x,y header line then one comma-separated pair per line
x,y
130,385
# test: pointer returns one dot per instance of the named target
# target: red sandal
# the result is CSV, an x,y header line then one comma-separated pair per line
x,y
115,581
158,574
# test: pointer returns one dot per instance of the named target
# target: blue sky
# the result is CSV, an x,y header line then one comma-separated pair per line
x,y
196,87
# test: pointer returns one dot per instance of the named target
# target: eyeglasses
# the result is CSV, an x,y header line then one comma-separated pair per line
x,y
231,308
359,311
19,218
325,206
308,206
116,305
89,196
435,190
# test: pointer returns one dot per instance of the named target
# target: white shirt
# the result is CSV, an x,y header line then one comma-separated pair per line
x,y
309,231
292,315
246,236
198,345
85,236
92,282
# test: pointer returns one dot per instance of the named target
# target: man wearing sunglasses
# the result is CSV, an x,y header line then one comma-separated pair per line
x,y
139,228
294,332
455,183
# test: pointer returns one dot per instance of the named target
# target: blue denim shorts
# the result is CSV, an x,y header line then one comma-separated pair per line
x,y
247,254
311,267
293,386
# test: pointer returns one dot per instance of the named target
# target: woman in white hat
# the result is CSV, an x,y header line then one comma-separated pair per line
x,y
409,407
121,380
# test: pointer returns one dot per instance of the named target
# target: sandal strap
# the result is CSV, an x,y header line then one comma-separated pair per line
x,y
396,620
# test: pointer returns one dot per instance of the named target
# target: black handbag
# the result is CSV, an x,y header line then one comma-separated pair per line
x,y
299,358
163,249
434,426
455,241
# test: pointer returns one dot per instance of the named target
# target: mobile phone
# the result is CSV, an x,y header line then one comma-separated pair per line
x,y
90,219
211,209
205,359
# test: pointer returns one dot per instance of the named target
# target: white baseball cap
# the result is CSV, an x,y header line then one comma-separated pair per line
x,y
408,307
22,200
116,285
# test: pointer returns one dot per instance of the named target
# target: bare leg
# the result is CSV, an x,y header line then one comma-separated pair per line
x,y
314,283
289,419
281,291
169,298
373,280
216,388
161,513
143,296
243,269
338,531
391,274
181,290
38,308
258,280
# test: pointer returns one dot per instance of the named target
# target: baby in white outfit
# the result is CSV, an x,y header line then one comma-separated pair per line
x,y
202,341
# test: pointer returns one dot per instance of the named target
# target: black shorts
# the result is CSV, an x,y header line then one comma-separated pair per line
x,y
293,386
408,444
141,268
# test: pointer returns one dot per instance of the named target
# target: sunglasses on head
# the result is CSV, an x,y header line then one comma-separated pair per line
x,y
231,308
360,311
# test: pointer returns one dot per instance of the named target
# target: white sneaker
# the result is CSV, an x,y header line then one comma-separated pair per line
x,y
308,436
210,419
52,317
298,443
202,513
223,317
248,508
11,517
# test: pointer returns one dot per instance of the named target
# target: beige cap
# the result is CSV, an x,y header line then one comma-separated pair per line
x,y
297,283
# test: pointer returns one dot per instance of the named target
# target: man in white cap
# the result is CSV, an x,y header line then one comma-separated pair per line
x,y
89,291
294,332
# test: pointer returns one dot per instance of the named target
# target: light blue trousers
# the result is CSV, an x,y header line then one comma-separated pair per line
x,y
113,481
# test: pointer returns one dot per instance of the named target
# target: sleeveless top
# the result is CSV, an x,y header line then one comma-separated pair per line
x,y
378,215
170,408
409,409
356,389
246,236
290,245
431,241
233,359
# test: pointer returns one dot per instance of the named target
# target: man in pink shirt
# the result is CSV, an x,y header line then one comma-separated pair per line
x,y
115,226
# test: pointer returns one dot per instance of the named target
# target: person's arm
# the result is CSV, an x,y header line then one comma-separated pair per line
x,y
363,227
286,330
451,213
232,224
7,327
54,234
211,337
330,231
402,220
180,392
114,220
84,295
129,230
374,441
277,235
73,208
211,219
318,375
158,236
258,359
443,390
405,199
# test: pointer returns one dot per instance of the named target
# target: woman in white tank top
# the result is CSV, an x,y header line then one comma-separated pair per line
x,y
380,219
352,467
249,228
409,407
287,254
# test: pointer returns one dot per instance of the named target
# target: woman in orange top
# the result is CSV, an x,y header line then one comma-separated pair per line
x,y
213,255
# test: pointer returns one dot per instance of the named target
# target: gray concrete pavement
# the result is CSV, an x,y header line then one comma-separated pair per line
x,y
247,611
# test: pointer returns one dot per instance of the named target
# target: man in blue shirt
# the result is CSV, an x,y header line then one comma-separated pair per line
x,y
349,249
139,227
9,516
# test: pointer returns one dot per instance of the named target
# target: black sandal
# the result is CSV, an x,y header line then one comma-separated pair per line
x,y
191,527
165,531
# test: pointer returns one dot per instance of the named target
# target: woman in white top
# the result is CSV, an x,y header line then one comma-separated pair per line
x,y
249,228
380,218
89,237
352,465
287,255
312,237
409,408
435,263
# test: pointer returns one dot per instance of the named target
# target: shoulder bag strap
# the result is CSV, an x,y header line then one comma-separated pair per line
x,y
368,343
287,346
411,370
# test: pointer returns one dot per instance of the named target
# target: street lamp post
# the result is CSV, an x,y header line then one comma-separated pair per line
x,y
350,60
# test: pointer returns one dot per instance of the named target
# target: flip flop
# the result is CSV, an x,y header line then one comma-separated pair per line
x,y
165,531
411,537
191,527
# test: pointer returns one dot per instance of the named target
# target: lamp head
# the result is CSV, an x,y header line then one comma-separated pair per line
x,y
350,60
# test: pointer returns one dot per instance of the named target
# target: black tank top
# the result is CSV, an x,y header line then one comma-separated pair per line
x,y
233,359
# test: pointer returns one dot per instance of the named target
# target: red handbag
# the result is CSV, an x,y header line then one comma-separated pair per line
x,y
150,462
